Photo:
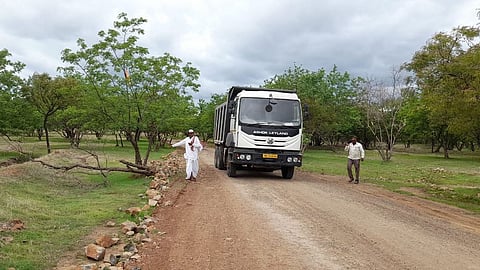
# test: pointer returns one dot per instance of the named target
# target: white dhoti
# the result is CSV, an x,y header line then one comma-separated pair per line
x,y
192,168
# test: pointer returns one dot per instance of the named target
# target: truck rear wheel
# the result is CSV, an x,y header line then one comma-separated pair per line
x,y
221,158
287,172
215,157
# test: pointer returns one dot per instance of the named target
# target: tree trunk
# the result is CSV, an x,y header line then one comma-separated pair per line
x,y
132,139
445,147
121,139
45,121
151,143
39,134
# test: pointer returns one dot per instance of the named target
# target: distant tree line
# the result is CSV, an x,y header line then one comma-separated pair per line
x,y
116,87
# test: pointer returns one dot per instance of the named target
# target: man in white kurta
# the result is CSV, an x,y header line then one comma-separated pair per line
x,y
192,148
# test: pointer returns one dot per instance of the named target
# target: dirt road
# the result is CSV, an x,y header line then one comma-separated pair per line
x,y
261,221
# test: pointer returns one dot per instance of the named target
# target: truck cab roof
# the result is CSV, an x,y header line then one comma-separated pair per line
x,y
235,91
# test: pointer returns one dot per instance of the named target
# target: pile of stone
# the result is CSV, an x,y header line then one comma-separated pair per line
x,y
111,252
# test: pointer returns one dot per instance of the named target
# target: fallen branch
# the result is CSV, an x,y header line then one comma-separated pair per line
x,y
139,169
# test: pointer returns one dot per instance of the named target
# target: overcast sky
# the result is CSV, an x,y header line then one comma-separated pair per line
x,y
239,42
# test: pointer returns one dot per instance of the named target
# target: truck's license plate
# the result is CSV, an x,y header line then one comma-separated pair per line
x,y
270,156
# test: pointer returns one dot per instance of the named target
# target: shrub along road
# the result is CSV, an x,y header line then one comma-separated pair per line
x,y
261,221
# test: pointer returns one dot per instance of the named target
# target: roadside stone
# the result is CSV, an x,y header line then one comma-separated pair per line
x,y
158,197
110,224
115,268
154,184
113,259
127,254
104,266
138,238
133,211
135,257
128,226
130,247
105,241
145,207
130,233
147,240
151,193
168,203
90,266
95,252
142,228
164,182
152,202
148,222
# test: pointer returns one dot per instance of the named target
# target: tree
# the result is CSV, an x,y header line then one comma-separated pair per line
x,y
330,98
127,84
17,114
446,71
50,96
413,112
382,106
206,115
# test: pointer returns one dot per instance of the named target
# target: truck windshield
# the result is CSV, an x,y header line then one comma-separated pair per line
x,y
272,112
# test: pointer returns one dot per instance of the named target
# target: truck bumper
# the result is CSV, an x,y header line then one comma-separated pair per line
x,y
266,158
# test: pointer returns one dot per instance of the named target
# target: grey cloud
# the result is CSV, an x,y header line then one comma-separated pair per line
x,y
241,42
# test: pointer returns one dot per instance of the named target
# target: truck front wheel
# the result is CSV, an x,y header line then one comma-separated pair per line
x,y
231,168
287,172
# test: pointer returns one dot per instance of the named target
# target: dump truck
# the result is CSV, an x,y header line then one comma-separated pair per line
x,y
258,129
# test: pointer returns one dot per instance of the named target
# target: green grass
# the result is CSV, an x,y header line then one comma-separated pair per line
x,y
455,181
59,209
4,155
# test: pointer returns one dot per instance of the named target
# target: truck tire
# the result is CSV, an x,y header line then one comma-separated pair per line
x,y
221,158
215,157
231,168
287,172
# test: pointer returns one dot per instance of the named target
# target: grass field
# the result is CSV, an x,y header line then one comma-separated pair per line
x,y
58,209
454,181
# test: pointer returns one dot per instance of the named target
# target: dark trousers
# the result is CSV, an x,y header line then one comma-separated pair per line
x,y
356,164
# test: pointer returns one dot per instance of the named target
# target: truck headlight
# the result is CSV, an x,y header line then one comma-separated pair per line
x,y
242,156
295,159
289,159
248,157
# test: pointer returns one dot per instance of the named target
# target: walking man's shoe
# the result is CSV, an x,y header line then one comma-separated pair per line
x,y
350,181
356,181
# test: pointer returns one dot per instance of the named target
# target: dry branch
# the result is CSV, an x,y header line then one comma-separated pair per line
x,y
131,168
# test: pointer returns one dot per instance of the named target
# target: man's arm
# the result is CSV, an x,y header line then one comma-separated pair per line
x,y
180,143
